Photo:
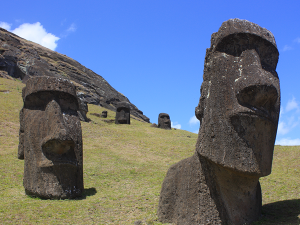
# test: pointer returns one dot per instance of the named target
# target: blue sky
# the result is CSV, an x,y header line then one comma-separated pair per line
x,y
153,51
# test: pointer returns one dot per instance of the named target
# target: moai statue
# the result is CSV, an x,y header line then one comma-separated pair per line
x,y
123,113
164,121
104,114
51,139
238,111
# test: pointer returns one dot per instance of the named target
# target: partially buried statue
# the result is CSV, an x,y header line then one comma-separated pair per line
x,y
123,113
238,111
50,139
164,121
104,114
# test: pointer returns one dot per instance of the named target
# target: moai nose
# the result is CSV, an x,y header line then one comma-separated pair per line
x,y
55,118
256,87
57,140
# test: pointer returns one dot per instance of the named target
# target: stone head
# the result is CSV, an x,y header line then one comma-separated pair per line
x,y
123,113
104,114
51,139
240,98
164,121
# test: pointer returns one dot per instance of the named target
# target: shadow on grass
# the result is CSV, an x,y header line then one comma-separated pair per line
x,y
87,192
283,212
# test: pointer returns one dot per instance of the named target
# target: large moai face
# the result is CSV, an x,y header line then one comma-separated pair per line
x,y
164,121
52,139
240,98
123,113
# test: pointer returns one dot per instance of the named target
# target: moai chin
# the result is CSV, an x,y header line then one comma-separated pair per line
x,y
123,113
238,111
104,114
51,139
164,121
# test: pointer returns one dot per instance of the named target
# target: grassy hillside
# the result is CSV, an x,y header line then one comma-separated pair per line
x,y
124,166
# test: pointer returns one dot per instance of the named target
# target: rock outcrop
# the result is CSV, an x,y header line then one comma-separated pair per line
x,y
23,59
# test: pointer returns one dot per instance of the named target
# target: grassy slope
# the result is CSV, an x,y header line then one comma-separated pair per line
x,y
124,166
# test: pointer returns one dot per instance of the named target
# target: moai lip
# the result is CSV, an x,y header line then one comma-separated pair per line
x,y
51,139
238,112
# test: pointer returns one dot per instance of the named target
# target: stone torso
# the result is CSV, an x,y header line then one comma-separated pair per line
x,y
186,195
191,194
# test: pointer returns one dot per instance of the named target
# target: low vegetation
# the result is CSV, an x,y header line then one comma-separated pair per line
x,y
124,166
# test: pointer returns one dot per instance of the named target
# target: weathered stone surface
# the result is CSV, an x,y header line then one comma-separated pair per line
x,y
23,59
83,107
123,113
164,121
51,139
104,114
238,111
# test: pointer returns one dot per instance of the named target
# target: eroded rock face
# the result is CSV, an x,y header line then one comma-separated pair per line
x,y
123,113
23,59
104,114
238,111
51,139
83,107
164,121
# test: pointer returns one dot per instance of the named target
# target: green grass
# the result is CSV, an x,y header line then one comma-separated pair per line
x,y
124,166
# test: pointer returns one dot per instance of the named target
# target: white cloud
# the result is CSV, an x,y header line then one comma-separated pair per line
x,y
282,128
287,141
72,28
5,25
292,104
36,32
287,48
175,125
193,120
297,40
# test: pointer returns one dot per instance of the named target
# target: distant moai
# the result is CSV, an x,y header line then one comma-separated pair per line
x,y
50,139
164,121
238,112
153,125
123,113
104,114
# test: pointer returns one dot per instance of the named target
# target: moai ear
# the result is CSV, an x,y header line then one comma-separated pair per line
x,y
199,110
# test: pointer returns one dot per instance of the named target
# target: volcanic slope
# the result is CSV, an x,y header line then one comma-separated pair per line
x,y
23,59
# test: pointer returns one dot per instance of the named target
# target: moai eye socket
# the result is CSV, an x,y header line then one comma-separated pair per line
x,y
236,44
38,100
68,103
